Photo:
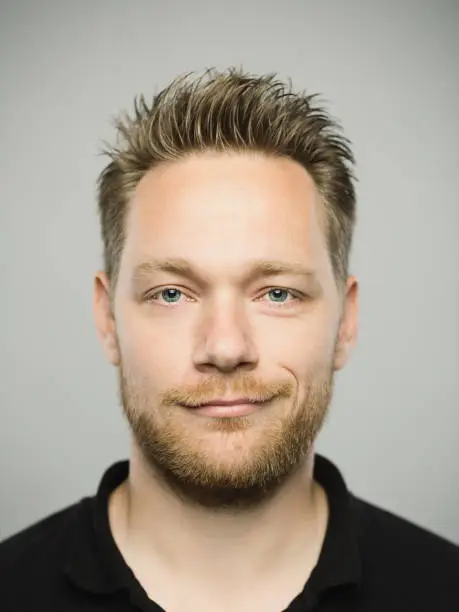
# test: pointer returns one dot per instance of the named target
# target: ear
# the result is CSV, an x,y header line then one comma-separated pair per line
x,y
104,319
348,329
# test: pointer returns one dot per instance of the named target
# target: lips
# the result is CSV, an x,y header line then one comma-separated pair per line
x,y
221,402
228,408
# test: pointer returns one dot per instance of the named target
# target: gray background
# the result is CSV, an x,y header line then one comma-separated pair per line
x,y
389,71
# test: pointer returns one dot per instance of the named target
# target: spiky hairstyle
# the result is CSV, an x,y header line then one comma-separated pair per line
x,y
229,111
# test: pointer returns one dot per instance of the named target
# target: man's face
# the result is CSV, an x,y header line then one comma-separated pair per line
x,y
197,318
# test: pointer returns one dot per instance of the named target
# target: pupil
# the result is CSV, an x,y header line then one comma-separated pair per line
x,y
278,293
171,294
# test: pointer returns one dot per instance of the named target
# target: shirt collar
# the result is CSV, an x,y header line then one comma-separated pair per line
x,y
340,561
95,564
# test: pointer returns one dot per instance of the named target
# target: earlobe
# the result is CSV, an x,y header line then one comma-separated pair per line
x,y
112,351
341,356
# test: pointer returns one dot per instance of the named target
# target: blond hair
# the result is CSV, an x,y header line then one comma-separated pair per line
x,y
229,111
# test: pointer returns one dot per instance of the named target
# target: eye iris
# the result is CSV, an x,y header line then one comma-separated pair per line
x,y
278,294
174,294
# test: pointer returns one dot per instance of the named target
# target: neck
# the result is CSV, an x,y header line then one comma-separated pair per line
x,y
155,529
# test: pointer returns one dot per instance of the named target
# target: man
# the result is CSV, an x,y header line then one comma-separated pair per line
x,y
227,213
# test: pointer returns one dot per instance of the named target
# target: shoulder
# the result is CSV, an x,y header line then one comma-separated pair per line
x,y
34,556
391,532
405,555
38,537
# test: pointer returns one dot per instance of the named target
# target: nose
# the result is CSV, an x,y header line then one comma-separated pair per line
x,y
225,340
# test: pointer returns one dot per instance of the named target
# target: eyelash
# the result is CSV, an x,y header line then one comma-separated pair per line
x,y
297,296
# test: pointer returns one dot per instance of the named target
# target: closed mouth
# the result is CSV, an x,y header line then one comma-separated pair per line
x,y
223,402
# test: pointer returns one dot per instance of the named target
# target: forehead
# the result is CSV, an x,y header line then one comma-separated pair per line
x,y
219,210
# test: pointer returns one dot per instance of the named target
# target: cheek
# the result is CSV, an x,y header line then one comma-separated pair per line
x,y
154,349
300,343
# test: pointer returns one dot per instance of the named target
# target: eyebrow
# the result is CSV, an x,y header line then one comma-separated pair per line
x,y
256,269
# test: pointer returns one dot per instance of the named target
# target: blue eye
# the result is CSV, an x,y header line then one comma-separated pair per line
x,y
170,295
278,294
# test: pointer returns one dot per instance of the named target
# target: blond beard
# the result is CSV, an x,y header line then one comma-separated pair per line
x,y
175,458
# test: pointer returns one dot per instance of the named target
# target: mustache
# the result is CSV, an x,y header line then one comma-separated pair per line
x,y
245,386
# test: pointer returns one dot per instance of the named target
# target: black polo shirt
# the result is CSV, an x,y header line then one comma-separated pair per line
x,y
371,560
